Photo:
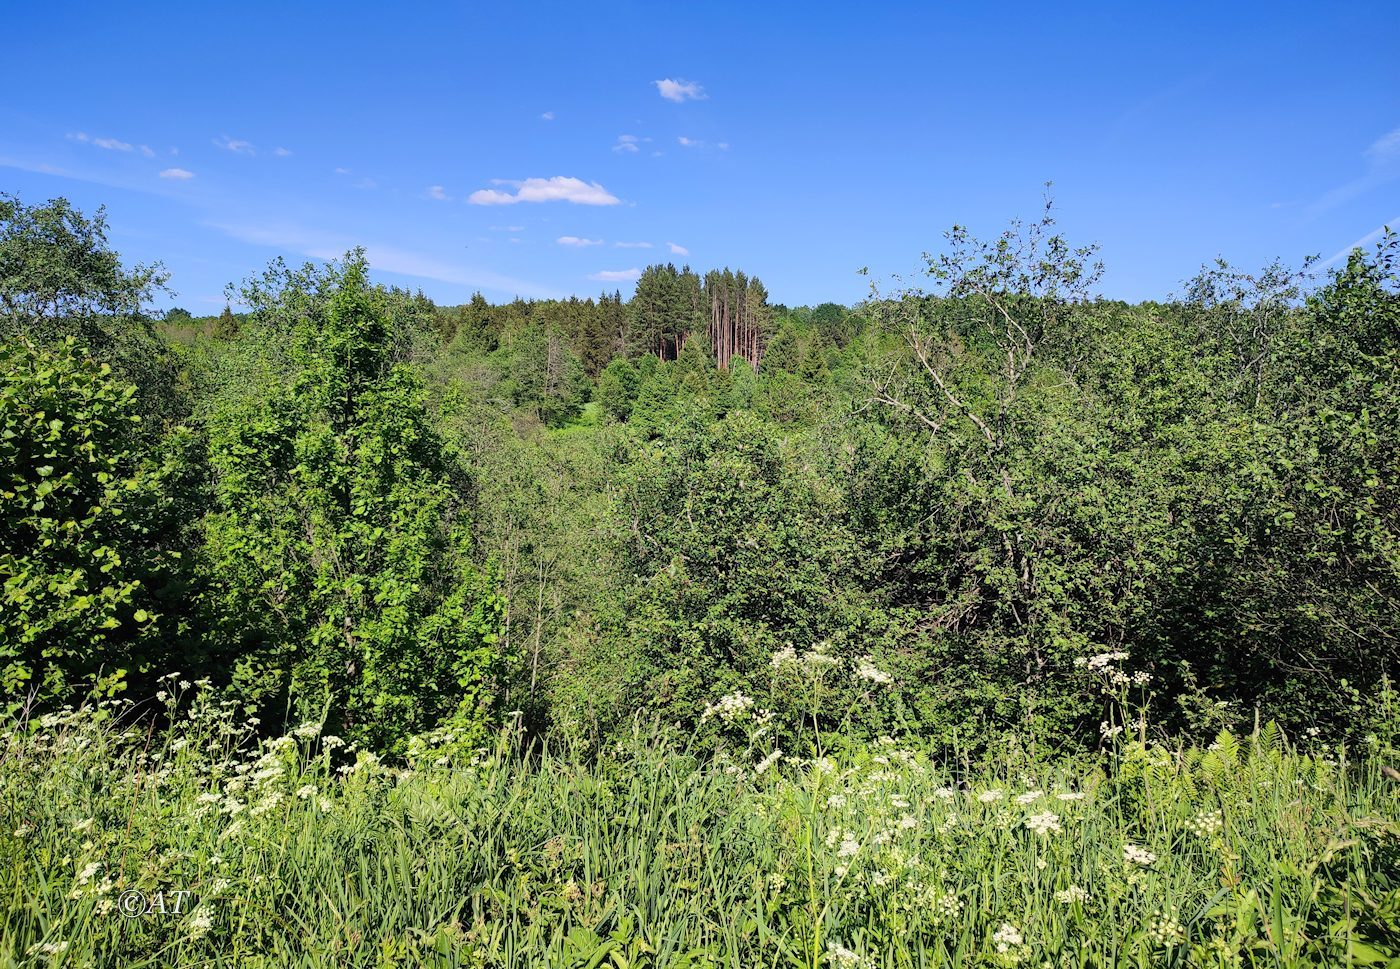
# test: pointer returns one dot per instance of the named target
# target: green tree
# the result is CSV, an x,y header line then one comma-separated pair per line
x,y
617,389
340,535
59,278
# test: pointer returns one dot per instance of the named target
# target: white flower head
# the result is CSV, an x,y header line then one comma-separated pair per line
x,y
1007,937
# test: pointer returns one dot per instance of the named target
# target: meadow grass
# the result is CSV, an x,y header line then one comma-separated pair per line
x,y
299,851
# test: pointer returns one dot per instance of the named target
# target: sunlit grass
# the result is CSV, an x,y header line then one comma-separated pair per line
x,y
299,851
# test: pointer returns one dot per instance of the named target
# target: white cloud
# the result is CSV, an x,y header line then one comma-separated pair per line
x,y
366,183
689,142
148,151
1382,166
342,171
547,116
677,250
615,275
628,143
507,228
281,152
438,193
678,89
1384,149
111,144
235,145
577,242
631,245
177,173
557,189
724,146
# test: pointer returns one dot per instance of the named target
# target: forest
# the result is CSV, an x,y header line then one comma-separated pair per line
x,y
987,621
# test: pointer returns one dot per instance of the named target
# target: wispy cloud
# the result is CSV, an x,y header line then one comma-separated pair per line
x,y
678,89
1384,149
148,151
557,189
631,245
615,275
385,258
342,171
628,143
1361,243
110,144
547,116
507,228
578,243
179,174
677,250
1382,165
281,152
685,142
235,145
437,193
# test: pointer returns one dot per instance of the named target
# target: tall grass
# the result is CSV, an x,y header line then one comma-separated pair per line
x,y
300,852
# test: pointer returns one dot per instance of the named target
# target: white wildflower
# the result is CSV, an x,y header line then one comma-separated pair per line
x,y
201,922
840,957
1134,855
729,707
1071,895
1006,937
1043,824
867,670
1205,824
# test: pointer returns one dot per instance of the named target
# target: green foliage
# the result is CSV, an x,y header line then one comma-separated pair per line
x,y
83,549
734,549
539,373
617,389
340,543
60,279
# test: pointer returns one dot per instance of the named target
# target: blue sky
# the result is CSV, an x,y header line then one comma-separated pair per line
x,y
796,141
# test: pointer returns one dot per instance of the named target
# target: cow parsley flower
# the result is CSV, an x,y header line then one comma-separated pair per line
x,y
1043,824
1134,855
1006,937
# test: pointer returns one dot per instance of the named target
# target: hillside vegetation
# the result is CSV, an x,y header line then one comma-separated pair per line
x,y
698,629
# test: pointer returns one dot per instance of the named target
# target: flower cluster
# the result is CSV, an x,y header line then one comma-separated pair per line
x,y
1135,855
728,708
1205,824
